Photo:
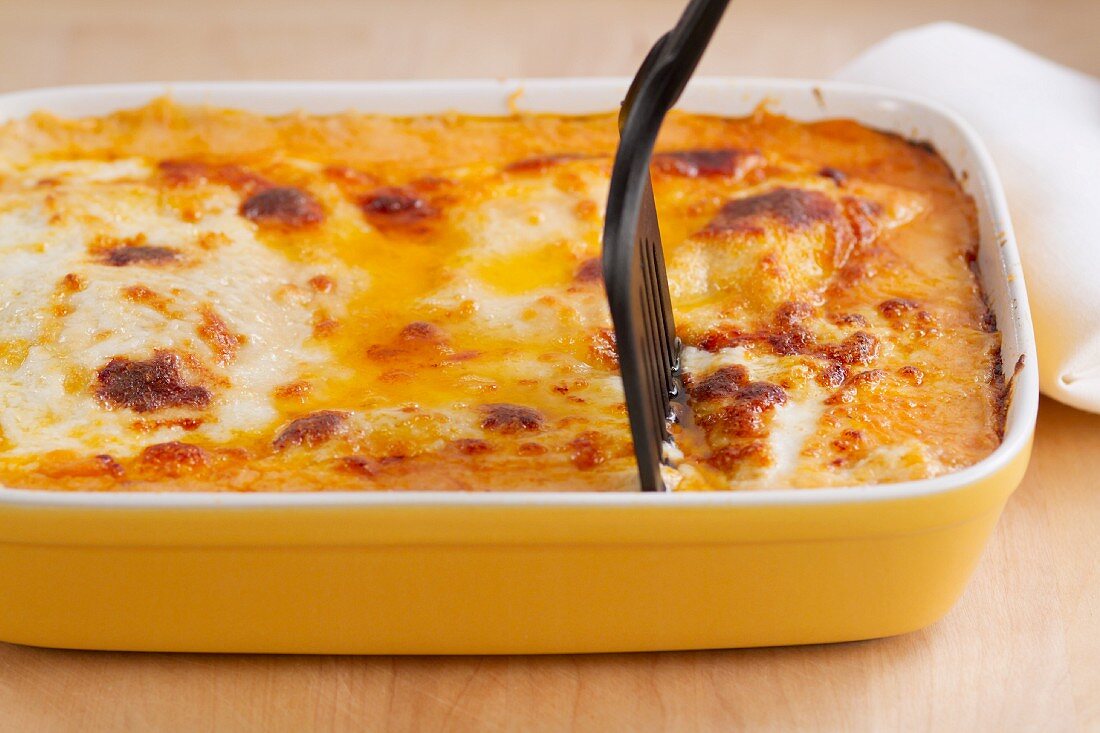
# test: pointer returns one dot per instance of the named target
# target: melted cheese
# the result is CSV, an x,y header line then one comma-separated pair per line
x,y
358,302
135,311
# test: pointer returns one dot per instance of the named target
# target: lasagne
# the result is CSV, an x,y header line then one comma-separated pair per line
x,y
200,299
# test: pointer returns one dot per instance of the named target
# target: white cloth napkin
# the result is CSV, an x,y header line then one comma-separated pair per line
x,y
1041,122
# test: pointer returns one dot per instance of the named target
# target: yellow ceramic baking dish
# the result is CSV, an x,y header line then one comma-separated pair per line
x,y
442,572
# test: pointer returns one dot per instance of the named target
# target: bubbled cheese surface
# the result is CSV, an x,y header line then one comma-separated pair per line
x,y
205,299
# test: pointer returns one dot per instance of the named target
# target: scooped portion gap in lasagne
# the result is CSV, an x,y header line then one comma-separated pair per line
x,y
208,299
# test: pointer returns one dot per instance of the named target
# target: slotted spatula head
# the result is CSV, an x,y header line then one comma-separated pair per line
x,y
633,260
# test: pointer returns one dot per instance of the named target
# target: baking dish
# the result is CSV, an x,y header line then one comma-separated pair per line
x,y
443,572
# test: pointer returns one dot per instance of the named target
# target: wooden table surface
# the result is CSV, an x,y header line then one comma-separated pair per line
x,y
1021,650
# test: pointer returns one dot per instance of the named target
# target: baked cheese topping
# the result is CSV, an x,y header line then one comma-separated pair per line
x,y
206,299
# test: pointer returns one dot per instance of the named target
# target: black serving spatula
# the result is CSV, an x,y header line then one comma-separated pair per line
x,y
633,261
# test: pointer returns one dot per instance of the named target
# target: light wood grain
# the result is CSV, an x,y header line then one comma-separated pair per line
x,y
48,42
1021,651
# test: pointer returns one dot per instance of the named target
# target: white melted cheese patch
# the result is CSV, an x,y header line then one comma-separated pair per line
x,y
525,212
512,218
48,234
537,316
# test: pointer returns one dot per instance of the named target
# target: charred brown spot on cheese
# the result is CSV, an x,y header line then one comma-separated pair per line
x,y
60,467
541,163
531,449
586,451
419,342
105,464
760,396
471,446
791,340
793,313
914,374
897,307
187,173
707,162
147,255
725,382
862,216
174,458
322,283
859,348
506,418
242,179
741,405
848,319
783,340
368,466
718,339
742,413
589,271
422,331
312,429
793,208
148,385
835,175
359,465
184,172
730,457
218,336
867,377
786,337
832,374
398,209
284,206
925,318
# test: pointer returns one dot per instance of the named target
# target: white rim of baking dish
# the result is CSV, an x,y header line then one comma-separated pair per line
x,y
585,94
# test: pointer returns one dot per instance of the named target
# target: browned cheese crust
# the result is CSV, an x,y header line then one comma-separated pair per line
x,y
208,299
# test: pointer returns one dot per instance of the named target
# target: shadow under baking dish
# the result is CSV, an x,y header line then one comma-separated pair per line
x,y
441,572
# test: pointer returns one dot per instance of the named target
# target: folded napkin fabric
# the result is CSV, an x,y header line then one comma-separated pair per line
x,y
1041,122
